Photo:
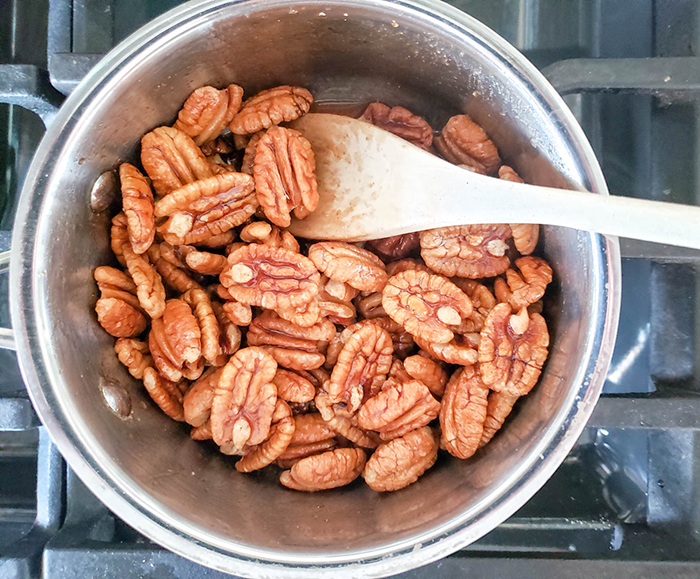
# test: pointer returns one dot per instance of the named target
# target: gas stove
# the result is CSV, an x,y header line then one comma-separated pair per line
x,y
623,502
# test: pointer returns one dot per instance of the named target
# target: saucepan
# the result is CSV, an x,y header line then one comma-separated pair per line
x,y
422,54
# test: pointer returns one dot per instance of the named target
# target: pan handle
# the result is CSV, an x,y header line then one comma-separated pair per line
x,y
7,336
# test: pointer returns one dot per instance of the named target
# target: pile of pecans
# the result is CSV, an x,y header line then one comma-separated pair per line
x,y
330,360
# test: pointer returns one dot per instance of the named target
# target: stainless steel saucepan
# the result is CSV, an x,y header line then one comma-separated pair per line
x,y
422,54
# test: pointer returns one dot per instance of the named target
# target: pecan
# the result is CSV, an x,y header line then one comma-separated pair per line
x,y
171,159
164,358
399,462
165,394
400,122
337,311
338,289
175,277
134,355
463,142
292,346
174,255
483,302
527,287
137,200
205,263
277,105
369,304
398,371
263,232
285,175
429,372
281,433
463,412
240,314
402,341
293,387
149,286
114,283
304,316
209,329
270,277
426,305
198,399
472,251
347,427
217,147
395,247
461,350
248,162
335,468
398,408
499,408
221,240
119,236
295,452
348,263
512,350
525,235
405,265
360,371
205,208
193,370
311,436
244,400
229,333
119,319
182,330
208,111
201,432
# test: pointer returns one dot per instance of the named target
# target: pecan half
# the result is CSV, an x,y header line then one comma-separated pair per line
x,y
201,432
114,283
240,314
221,240
400,122
402,341
426,305
209,328
277,105
462,350
248,162
429,372
175,277
119,235
499,408
338,289
348,263
512,350
119,319
149,286
527,286
270,277
311,428
463,142
305,316
463,412
337,311
229,333
182,330
399,462
398,371
285,175
137,201
348,427
244,400
405,265
525,235
198,399
295,452
395,247
472,251
208,111
263,232
164,393
483,302
369,304
329,470
205,262
134,355
281,433
171,159
292,387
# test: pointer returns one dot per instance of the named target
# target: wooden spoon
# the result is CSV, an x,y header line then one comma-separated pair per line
x,y
373,184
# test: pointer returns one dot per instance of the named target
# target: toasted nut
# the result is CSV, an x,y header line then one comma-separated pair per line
x,y
165,394
240,314
209,329
281,433
248,162
329,470
527,286
175,277
119,236
106,276
134,355
429,372
401,122
137,200
292,387
499,408
198,399
463,142
396,247
208,111
525,235
119,319
349,264
206,263
271,107
149,286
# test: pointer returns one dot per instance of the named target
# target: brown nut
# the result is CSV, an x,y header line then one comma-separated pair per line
x,y
512,350
217,147
347,427
137,200
165,394
400,122
222,240
281,433
291,387
429,372
244,400
263,232
369,304
240,314
201,432
270,277
149,286
361,369
171,274
285,175
337,311
525,235
527,286
248,162
398,408
182,331
338,289
205,263
402,341
119,235
114,283
471,251
395,247
463,142
208,111
209,328
295,452
311,428
277,105
399,462
305,316
134,355
348,263
499,408
462,350
164,358
119,319
229,333
483,302
463,412
329,470
398,372
426,305
405,265
198,399
171,159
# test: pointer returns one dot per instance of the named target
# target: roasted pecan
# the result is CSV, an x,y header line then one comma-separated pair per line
x,y
401,122
134,355
311,436
483,302
463,142
285,175
208,111
292,346
429,372
270,277
348,263
164,358
248,162
209,328
205,208
137,200
182,329
198,399
222,240
395,247
512,350
463,412
402,341
240,314
338,289
171,159
398,408
149,286
244,400
461,350
114,283
348,427
360,371
193,370
119,236
525,235
263,232
329,470
201,432
175,277
426,305
119,319
305,316
281,433
295,452
337,311
499,408
165,394
399,462
217,147
398,371
205,262
472,251
173,254
277,105
526,287
292,387
405,265
369,304
229,333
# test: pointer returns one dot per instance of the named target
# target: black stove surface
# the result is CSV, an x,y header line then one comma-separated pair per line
x,y
623,504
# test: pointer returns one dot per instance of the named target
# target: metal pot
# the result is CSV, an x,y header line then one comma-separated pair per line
x,y
422,54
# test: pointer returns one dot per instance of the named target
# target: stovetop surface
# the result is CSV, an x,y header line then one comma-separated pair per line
x,y
623,504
